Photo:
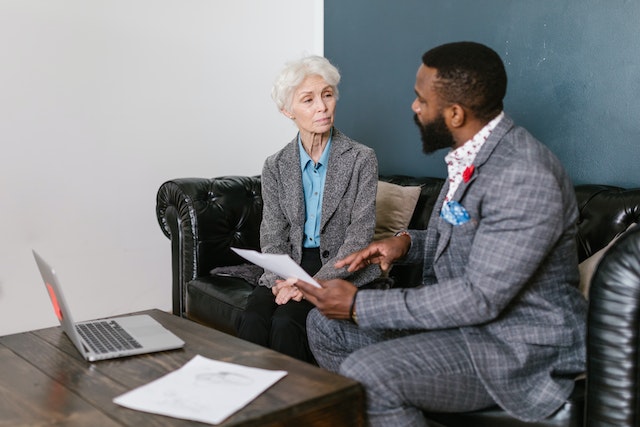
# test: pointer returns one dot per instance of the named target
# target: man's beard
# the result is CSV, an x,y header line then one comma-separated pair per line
x,y
435,134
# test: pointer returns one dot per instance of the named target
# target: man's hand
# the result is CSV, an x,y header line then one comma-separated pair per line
x,y
333,299
383,252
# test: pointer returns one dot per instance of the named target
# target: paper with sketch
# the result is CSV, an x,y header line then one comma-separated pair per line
x,y
280,264
202,390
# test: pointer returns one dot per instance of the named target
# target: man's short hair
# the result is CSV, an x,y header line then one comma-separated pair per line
x,y
470,74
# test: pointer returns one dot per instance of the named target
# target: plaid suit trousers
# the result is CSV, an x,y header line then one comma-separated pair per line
x,y
403,372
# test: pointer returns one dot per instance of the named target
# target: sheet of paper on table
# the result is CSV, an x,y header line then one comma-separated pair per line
x,y
203,390
280,264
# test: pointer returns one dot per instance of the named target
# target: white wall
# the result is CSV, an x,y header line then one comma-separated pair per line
x,y
103,100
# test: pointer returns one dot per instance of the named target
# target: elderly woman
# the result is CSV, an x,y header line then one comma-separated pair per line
x,y
319,205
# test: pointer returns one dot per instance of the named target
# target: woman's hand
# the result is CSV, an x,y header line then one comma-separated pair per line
x,y
285,290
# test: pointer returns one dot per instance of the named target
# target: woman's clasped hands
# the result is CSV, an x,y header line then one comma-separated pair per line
x,y
286,290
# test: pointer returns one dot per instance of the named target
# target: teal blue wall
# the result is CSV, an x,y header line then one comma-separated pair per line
x,y
573,67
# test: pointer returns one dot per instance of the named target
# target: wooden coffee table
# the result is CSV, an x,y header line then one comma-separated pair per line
x,y
44,381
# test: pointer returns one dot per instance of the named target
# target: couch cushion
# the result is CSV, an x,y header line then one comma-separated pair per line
x,y
571,414
394,207
218,301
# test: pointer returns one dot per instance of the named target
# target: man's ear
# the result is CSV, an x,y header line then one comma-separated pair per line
x,y
455,116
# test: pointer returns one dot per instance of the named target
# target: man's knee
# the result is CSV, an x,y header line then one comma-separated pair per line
x,y
315,322
354,367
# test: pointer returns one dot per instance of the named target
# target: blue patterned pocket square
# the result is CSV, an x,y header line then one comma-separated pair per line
x,y
454,213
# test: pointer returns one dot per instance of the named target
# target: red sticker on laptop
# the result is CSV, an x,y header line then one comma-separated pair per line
x,y
54,300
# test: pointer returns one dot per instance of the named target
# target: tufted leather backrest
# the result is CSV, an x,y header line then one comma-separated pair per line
x,y
605,211
226,211
213,215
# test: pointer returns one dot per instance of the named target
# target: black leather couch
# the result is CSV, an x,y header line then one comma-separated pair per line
x,y
203,218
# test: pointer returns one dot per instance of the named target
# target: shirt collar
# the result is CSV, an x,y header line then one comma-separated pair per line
x,y
466,153
462,157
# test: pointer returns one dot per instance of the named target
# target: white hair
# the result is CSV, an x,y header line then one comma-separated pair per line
x,y
295,72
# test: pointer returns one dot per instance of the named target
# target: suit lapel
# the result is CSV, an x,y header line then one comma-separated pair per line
x,y
339,174
290,172
444,228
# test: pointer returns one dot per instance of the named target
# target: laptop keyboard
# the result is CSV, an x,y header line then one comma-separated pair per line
x,y
106,336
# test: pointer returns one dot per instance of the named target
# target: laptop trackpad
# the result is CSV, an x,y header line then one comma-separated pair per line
x,y
148,332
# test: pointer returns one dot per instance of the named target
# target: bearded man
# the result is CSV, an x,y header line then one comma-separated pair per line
x,y
498,319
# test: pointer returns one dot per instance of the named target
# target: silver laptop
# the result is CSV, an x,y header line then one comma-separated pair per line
x,y
107,338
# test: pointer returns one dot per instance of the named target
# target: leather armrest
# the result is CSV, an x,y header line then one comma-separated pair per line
x,y
177,215
203,218
613,336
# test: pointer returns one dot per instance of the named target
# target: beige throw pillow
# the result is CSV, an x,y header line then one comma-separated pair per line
x,y
394,207
588,266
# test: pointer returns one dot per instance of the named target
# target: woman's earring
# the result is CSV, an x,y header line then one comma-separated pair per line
x,y
287,113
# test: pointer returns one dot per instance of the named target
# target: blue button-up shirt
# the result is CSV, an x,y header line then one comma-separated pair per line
x,y
313,177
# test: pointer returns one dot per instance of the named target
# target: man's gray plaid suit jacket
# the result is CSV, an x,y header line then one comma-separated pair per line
x,y
507,278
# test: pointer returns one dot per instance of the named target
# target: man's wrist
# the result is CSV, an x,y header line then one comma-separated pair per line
x,y
404,233
352,310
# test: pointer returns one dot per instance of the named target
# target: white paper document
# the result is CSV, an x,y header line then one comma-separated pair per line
x,y
203,390
280,264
